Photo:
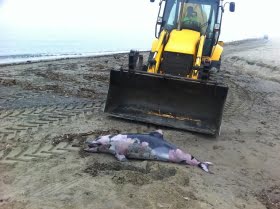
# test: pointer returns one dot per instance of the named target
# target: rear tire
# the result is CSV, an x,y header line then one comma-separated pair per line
x,y
204,74
132,59
135,61
151,56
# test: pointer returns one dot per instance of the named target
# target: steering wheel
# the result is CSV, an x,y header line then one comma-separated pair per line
x,y
204,24
191,24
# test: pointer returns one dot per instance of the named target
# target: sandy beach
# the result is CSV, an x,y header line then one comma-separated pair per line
x,y
49,108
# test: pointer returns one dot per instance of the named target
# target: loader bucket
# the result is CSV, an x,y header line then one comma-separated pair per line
x,y
166,100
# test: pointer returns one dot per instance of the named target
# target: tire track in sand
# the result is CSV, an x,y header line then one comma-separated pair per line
x,y
18,123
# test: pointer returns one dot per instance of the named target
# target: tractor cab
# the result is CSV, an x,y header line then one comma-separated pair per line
x,y
203,16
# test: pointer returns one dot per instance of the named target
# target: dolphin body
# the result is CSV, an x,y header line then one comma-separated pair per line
x,y
150,146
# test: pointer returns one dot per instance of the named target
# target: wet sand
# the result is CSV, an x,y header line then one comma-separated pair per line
x,y
48,109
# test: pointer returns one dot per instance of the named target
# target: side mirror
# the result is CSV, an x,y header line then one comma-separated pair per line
x,y
232,7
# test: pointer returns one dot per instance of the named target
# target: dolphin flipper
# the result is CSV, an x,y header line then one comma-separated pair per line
x,y
205,166
121,157
158,133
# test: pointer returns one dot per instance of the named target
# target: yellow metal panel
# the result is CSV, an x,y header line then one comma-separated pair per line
x,y
154,45
217,52
199,52
184,41
158,52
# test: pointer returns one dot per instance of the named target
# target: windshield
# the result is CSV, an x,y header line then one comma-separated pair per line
x,y
170,16
198,15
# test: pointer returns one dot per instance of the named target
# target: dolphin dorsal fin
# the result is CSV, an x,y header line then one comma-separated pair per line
x,y
157,133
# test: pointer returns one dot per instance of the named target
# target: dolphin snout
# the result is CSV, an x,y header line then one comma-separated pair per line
x,y
92,143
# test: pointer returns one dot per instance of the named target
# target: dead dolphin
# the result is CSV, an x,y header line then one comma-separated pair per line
x,y
150,146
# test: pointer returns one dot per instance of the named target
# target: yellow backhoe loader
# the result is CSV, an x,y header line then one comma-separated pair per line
x,y
175,88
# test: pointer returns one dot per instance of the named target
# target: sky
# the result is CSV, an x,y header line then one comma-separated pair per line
x,y
125,21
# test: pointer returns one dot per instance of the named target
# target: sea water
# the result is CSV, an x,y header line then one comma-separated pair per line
x,y
12,51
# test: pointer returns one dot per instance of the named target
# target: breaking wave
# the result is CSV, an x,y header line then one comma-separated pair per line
x,y
15,58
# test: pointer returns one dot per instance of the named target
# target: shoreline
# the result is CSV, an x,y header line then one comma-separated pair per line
x,y
107,54
63,58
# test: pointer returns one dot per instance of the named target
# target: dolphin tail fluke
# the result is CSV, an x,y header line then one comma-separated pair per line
x,y
205,166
